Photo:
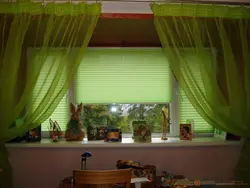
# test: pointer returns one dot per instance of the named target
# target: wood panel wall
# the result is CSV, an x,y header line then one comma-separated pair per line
x,y
125,33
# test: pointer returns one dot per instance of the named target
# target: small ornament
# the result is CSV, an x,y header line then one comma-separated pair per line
x,y
166,121
84,157
141,131
74,130
55,131
34,135
96,133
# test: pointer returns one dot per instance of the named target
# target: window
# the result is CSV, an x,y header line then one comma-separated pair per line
x,y
135,81
112,81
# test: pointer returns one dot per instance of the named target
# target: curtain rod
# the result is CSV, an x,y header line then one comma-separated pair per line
x,y
220,2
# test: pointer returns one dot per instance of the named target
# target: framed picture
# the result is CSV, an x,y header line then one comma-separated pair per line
x,y
96,133
220,134
113,135
224,135
34,135
141,132
186,132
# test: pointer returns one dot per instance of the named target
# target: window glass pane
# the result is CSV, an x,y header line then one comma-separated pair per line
x,y
122,115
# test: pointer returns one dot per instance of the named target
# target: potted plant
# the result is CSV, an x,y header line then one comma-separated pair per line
x,y
95,119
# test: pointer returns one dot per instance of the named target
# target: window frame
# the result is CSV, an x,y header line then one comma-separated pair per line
x,y
174,115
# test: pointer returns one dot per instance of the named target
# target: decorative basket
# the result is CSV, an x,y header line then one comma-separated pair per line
x,y
55,131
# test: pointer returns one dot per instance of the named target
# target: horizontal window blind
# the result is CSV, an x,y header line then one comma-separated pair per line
x,y
44,82
60,114
187,110
123,75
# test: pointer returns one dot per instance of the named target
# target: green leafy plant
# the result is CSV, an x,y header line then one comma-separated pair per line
x,y
151,113
95,115
99,115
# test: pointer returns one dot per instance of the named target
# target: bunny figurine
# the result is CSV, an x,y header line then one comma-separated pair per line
x,y
74,130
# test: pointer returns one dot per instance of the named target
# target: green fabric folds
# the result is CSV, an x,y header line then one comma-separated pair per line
x,y
223,96
30,34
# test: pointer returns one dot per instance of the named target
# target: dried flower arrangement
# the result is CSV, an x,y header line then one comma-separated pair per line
x,y
55,131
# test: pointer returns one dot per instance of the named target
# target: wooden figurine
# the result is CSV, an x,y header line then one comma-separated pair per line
x,y
74,130
165,123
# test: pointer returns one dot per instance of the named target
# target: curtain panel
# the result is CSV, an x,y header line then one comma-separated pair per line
x,y
43,27
222,98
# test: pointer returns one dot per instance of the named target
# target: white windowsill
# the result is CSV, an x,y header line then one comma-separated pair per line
x,y
127,142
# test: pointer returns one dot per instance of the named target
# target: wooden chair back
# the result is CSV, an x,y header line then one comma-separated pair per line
x,y
108,178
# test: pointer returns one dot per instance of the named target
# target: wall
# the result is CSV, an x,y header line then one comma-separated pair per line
x,y
142,6
45,167
125,32
110,32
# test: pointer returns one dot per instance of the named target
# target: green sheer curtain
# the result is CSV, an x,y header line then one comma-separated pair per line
x,y
41,27
223,96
